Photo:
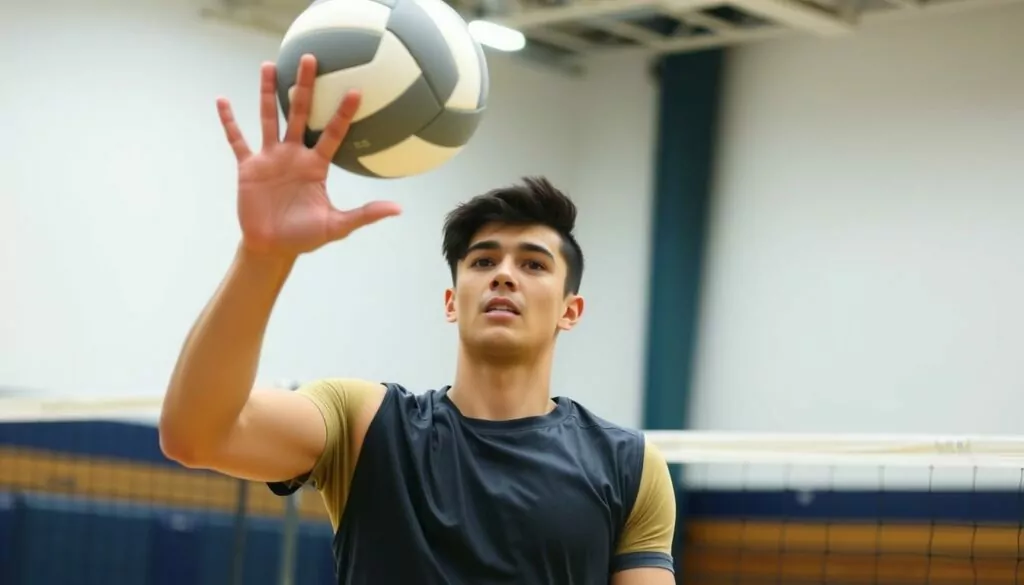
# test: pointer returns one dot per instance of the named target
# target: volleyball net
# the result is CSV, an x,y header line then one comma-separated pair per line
x,y
843,509
87,497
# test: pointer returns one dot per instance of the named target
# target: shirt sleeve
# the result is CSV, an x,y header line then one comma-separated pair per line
x,y
646,540
340,402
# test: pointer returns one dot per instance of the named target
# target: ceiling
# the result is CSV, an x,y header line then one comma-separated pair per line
x,y
565,33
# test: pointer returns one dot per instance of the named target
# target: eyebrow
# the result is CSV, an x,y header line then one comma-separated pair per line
x,y
524,246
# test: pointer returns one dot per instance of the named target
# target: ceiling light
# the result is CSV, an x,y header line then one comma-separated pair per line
x,y
496,36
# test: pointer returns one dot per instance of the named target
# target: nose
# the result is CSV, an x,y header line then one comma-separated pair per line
x,y
503,278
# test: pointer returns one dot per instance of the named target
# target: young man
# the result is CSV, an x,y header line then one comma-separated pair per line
x,y
489,480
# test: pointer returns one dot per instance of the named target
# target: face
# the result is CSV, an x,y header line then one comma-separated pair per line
x,y
509,296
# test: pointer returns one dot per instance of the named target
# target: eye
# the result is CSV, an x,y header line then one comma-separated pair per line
x,y
534,265
481,262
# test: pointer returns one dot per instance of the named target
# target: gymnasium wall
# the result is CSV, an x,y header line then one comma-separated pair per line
x,y
118,210
864,266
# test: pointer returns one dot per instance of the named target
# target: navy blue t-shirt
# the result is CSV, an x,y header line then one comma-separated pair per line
x,y
434,497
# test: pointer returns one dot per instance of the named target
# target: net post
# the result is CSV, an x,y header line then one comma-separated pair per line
x,y
290,526
290,539
241,527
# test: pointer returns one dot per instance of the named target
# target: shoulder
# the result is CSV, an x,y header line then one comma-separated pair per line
x,y
648,493
640,459
349,399
620,450
346,405
646,539
649,511
332,392
385,408
587,418
409,403
625,444
358,400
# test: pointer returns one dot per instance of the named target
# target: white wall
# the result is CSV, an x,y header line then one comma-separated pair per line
x,y
118,211
866,267
604,358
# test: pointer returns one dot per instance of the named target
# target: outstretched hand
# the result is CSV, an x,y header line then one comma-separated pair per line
x,y
283,207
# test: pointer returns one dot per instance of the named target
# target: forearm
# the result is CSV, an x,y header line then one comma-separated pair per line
x,y
217,366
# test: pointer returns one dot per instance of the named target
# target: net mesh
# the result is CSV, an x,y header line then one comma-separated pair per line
x,y
849,509
86,497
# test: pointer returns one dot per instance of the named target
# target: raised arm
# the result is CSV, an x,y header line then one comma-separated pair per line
x,y
212,417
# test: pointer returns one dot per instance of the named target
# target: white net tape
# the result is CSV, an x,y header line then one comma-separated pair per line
x,y
54,409
841,449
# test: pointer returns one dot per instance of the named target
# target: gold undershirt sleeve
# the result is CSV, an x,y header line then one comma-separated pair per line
x,y
651,523
340,400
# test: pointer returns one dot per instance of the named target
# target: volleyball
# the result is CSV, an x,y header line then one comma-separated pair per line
x,y
423,78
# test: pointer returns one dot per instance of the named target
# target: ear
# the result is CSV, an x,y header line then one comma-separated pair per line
x,y
572,313
449,305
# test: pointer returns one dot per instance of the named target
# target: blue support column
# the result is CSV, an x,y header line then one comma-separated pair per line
x,y
687,128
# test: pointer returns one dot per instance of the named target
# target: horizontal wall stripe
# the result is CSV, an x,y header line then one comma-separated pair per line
x,y
798,553
1005,506
106,439
32,470
860,538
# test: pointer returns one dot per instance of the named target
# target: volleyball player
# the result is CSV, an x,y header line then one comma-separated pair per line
x,y
489,480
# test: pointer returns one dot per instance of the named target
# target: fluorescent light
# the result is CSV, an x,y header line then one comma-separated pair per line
x,y
497,36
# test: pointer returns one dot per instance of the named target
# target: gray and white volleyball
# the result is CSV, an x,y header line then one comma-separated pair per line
x,y
423,78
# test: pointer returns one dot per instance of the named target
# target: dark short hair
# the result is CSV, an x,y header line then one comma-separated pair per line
x,y
535,201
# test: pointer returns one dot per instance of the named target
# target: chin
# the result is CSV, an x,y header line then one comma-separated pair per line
x,y
496,340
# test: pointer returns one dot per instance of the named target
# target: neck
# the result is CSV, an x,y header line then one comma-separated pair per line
x,y
488,390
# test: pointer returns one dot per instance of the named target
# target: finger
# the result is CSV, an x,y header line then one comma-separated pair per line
x,y
268,104
301,99
231,130
344,223
338,127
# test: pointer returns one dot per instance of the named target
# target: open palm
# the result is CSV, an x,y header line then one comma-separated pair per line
x,y
283,206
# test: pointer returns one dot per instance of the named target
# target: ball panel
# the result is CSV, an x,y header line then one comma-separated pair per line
x,y
410,157
452,128
345,161
462,47
361,14
378,90
485,76
398,120
388,76
336,50
427,45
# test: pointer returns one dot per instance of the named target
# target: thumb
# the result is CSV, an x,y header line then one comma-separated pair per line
x,y
343,223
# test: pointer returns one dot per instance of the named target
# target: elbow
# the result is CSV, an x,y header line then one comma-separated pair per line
x,y
177,446
186,445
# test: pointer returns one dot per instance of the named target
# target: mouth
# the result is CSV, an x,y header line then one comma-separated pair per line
x,y
501,306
